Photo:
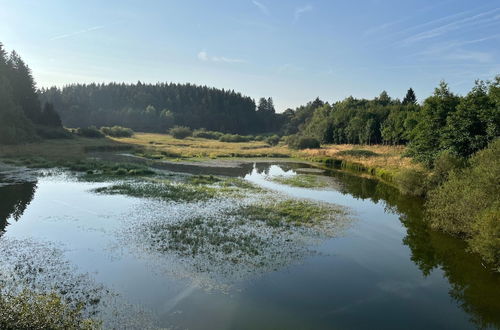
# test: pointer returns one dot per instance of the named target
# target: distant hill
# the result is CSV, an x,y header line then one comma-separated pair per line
x,y
156,107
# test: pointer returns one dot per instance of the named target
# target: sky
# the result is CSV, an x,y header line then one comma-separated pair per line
x,y
292,51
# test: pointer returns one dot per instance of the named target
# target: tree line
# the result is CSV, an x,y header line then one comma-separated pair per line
x,y
158,107
22,117
442,122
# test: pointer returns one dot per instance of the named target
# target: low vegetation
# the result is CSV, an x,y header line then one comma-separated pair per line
x,y
302,181
180,132
163,189
467,205
89,132
117,131
288,212
29,310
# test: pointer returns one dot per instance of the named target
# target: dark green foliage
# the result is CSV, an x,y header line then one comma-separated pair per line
x,y
466,205
235,138
204,134
158,107
20,111
90,132
272,140
49,116
117,131
180,132
412,182
410,97
303,142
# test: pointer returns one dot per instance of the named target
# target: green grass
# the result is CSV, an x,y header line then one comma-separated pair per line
x,y
161,189
196,235
302,181
288,212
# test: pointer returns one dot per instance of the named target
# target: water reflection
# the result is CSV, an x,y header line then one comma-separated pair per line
x,y
14,199
475,288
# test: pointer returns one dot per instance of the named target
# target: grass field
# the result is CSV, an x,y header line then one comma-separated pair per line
x,y
382,161
162,146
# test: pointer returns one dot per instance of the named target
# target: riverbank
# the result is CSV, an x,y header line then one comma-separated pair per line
x,y
383,162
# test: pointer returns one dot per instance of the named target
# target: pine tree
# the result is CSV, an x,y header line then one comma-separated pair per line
x,y
410,97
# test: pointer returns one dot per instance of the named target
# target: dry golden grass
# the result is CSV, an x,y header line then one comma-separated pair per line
x,y
58,148
387,157
165,146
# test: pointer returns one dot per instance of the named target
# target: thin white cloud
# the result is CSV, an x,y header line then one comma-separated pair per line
x,y
467,22
203,56
263,8
67,35
299,11
475,56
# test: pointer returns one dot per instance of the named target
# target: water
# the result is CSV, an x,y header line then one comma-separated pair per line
x,y
386,270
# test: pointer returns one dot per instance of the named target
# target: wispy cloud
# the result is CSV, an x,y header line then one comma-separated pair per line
x,y
67,35
263,8
467,22
467,55
299,11
203,56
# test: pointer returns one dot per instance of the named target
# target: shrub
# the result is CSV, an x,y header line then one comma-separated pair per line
x,y
412,182
273,140
443,165
204,134
117,131
466,205
180,132
302,142
90,132
235,138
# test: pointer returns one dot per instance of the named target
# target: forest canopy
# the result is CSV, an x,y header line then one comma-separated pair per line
x,y
159,107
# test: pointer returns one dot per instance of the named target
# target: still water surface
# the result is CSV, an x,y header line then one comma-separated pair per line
x,y
387,270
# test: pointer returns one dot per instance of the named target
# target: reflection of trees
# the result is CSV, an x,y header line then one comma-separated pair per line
x,y
475,288
13,201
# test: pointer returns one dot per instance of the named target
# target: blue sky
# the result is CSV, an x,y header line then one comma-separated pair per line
x,y
292,51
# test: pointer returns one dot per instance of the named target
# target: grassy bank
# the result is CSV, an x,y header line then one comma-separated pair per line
x,y
163,146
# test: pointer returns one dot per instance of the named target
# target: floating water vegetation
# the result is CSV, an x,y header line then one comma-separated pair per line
x,y
163,189
290,212
30,310
302,181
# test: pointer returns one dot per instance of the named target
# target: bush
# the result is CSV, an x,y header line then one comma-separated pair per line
x,y
272,140
180,132
235,138
412,182
466,205
302,142
117,131
444,164
90,132
204,134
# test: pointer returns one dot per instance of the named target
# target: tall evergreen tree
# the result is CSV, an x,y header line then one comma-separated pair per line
x,y
410,97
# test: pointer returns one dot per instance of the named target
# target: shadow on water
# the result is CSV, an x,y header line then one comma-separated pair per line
x,y
14,199
475,288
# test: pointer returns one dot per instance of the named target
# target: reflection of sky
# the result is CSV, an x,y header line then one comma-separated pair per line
x,y
364,279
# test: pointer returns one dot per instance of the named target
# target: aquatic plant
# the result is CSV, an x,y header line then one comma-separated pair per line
x,y
302,181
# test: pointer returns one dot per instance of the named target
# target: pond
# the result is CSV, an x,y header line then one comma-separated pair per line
x,y
378,267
